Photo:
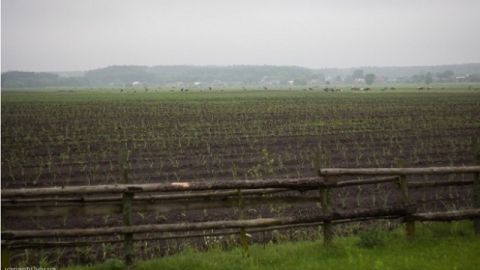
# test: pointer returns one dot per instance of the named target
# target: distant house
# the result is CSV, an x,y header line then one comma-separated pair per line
x,y
315,82
360,80
380,79
136,83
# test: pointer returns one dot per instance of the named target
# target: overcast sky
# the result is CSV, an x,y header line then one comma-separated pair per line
x,y
59,35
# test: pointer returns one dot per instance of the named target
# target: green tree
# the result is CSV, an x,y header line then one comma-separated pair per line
x,y
357,74
445,74
370,78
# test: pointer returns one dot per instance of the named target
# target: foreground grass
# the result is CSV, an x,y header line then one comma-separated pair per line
x,y
437,246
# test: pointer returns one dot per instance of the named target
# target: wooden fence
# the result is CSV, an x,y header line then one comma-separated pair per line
x,y
125,199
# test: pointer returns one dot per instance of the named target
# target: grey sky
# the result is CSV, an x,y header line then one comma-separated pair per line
x,y
56,35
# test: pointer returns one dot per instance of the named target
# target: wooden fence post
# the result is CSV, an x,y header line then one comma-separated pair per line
x,y
243,232
127,221
5,260
409,221
403,184
476,184
5,257
327,209
127,217
324,194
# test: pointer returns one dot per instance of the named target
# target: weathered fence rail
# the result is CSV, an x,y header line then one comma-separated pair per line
x,y
127,198
398,171
299,184
224,224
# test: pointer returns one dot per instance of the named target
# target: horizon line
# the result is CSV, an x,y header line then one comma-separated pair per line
x,y
249,65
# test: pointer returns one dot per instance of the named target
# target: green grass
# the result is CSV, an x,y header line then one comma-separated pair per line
x,y
436,246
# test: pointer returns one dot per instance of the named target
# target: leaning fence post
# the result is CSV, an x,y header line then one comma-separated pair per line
x,y
127,217
409,221
476,185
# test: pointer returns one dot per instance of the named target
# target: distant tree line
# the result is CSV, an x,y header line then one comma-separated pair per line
x,y
160,75
19,79
230,75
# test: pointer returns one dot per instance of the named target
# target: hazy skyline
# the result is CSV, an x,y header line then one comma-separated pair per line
x,y
62,35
